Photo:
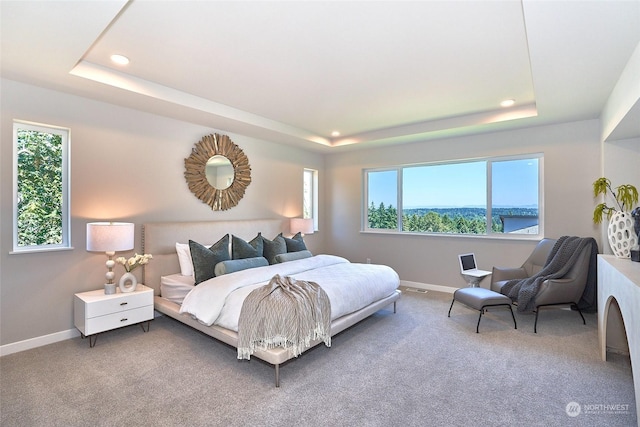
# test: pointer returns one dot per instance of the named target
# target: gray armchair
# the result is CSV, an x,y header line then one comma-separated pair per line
x,y
566,289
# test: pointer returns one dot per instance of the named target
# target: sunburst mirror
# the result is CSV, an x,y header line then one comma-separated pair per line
x,y
217,172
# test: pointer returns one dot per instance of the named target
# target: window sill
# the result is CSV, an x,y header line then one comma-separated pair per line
x,y
36,250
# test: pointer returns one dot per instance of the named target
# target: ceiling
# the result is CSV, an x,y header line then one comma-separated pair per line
x,y
379,72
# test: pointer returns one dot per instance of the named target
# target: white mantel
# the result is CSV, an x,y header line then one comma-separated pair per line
x,y
619,279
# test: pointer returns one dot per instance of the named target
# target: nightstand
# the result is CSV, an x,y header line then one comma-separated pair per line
x,y
95,312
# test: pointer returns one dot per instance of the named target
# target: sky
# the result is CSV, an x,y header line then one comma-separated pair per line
x,y
514,182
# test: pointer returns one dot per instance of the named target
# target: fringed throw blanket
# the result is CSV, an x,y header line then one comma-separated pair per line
x,y
287,313
560,260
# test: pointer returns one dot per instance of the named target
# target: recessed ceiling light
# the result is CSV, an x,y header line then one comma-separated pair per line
x,y
507,102
335,133
120,59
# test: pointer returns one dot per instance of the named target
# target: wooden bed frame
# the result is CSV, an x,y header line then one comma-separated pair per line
x,y
159,239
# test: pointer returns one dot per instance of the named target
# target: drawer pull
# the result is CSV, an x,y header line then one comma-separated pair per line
x,y
124,320
124,303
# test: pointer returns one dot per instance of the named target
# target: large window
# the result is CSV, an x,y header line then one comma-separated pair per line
x,y
487,196
40,187
310,196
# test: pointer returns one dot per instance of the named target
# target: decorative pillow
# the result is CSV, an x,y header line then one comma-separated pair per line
x,y
241,249
292,256
205,259
184,258
274,247
233,265
296,243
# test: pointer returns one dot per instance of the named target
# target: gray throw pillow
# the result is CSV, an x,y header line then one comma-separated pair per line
x,y
233,265
241,249
205,259
274,247
292,256
296,243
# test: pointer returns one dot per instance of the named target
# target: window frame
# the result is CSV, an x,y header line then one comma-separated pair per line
x,y
489,161
65,134
313,194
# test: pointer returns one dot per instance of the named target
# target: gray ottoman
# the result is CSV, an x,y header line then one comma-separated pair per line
x,y
479,299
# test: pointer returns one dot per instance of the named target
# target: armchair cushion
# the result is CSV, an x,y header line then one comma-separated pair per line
x,y
500,276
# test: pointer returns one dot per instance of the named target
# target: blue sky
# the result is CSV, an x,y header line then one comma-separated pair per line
x,y
515,183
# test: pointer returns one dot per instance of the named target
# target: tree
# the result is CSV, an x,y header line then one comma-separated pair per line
x,y
39,213
383,217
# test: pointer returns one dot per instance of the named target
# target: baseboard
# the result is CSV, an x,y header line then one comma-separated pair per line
x,y
428,287
38,342
19,346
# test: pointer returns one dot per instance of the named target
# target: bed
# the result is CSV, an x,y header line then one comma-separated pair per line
x,y
159,239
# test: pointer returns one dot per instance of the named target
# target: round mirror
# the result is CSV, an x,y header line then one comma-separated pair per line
x,y
219,172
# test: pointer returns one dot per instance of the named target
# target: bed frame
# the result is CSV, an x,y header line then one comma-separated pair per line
x,y
159,239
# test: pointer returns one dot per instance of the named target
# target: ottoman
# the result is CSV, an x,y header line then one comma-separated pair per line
x,y
479,299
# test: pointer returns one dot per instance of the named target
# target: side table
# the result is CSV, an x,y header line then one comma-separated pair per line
x,y
95,312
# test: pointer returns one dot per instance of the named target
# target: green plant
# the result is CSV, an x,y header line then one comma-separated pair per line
x,y
625,195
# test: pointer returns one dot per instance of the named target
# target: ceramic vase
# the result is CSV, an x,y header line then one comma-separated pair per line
x,y
622,237
128,282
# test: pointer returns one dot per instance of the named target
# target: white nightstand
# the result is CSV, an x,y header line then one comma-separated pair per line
x,y
95,312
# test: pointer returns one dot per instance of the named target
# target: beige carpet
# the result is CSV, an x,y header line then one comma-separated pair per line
x,y
413,368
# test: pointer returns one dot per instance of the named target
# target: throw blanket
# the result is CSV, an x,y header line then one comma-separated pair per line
x,y
560,260
285,312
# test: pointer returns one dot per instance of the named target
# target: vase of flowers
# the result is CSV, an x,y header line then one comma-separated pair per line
x,y
620,232
128,281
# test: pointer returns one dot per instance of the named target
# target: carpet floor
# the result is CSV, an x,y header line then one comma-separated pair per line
x,y
416,367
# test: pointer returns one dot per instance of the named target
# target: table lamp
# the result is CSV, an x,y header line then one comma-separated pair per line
x,y
110,237
302,225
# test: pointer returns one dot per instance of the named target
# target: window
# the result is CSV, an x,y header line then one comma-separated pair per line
x,y
40,187
487,196
310,196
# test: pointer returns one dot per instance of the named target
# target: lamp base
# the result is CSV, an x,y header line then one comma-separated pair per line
x,y
109,288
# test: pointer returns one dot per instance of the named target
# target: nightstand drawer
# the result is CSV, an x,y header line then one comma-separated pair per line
x,y
107,322
120,302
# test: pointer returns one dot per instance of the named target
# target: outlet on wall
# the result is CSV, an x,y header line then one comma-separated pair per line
x,y
368,260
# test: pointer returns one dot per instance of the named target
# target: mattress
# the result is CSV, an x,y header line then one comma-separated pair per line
x,y
175,287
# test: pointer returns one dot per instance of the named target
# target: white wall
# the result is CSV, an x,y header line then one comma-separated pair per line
x,y
125,165
128,165
571,164
621,164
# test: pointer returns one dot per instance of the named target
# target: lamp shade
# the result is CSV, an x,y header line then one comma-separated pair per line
x,y
110,236
302,225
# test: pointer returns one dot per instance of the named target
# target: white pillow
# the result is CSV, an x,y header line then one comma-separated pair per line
x,y
184,258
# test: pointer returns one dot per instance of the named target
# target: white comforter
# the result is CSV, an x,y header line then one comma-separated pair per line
x,y
349,287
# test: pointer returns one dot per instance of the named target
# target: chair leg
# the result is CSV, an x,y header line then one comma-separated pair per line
x,y
479,318
584,322
515,325
454,300
572,304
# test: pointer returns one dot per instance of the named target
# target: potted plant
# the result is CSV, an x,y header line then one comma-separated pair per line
x,y
620,230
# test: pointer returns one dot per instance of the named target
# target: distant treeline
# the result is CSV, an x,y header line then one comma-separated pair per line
x,y
442,220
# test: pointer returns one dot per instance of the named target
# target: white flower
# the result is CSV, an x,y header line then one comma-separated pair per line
x,y
133,262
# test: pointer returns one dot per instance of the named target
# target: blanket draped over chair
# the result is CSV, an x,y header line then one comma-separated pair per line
x,y
285,312
560,260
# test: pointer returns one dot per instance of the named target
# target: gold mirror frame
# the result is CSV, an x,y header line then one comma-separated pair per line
x,y
195,172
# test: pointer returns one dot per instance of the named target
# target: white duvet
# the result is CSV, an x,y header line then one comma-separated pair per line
x,y
349,287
